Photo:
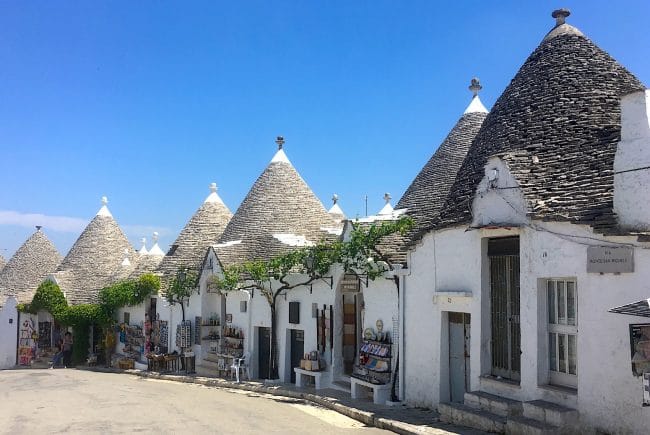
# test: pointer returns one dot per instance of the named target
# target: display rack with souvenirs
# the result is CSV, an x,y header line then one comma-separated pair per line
x,y
232,343
375,356
134,340
184,334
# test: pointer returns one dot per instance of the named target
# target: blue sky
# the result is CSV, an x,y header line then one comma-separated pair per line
x,y
149,102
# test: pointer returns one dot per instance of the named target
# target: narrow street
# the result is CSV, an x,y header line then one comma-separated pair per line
x,y
75,401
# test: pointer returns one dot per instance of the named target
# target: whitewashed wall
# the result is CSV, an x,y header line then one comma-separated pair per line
x,y
609,396
8,331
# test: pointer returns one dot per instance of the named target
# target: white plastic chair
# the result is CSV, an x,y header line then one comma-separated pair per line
x,y
239,365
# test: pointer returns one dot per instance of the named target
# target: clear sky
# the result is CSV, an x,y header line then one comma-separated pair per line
x,y
148,102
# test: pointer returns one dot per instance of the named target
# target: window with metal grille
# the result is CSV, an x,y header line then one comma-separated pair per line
x,y
562,305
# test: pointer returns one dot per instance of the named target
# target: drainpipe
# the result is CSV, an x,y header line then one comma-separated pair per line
x,y
402,274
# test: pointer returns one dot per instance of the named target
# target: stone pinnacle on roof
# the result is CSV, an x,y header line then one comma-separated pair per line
x,y
213,196
143,250
561,27
155,249
104,210
475,106
335,211
280,156
387,209
560,16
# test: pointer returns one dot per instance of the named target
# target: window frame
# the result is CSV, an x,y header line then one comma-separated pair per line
x,y
560,326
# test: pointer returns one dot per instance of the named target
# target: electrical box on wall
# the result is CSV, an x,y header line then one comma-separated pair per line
x,y
243,306
294,312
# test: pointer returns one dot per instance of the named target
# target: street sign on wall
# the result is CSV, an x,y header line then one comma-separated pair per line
x,y
603,259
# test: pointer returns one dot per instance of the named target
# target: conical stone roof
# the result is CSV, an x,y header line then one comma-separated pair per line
x,y
94,258
201,231
29,266
427,193
279,213
556,126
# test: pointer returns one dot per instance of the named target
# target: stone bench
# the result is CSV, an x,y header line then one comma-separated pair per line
x,y
301,372
380,392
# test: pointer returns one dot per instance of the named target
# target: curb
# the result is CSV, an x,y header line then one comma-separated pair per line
x,y
367,418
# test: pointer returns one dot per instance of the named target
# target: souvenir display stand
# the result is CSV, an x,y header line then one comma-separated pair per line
x,y
375,357
222,345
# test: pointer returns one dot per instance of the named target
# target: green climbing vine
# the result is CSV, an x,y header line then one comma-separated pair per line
x,y
81,317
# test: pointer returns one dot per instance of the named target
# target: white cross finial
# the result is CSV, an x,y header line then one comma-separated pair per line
x,y
213,187
104,200
155,236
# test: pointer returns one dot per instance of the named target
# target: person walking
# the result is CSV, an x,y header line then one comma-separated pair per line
x,y
67,349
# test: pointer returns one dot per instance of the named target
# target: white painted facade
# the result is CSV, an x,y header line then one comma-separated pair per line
x,y
8,333
450,273
632,163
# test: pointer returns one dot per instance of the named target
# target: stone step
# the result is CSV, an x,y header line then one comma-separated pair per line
x,y
492,403
550,413
342,386
463,415
519,425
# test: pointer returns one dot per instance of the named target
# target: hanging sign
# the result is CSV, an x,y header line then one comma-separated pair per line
x,y
350,283
602,259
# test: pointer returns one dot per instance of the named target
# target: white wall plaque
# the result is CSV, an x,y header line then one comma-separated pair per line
x,y
602,259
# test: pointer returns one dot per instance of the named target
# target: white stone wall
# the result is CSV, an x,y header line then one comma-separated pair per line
x,y
608,395
8,344
632,176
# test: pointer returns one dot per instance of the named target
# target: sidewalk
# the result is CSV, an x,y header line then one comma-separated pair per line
x,y
398,419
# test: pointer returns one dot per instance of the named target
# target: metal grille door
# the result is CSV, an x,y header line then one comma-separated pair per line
x,y
504,299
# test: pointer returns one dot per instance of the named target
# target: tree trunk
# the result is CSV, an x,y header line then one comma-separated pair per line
x,y
183,310
273,366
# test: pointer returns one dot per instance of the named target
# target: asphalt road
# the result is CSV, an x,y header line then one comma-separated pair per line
x,y
77,401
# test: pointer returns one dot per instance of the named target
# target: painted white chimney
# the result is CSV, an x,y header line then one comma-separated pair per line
x,y
632,163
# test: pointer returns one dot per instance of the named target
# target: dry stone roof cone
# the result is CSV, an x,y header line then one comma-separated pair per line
x,y
29,267
279,212
556,127
201,231
428,191
93,260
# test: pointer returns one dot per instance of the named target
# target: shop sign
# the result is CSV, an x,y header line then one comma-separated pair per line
x,y
602,259
350,283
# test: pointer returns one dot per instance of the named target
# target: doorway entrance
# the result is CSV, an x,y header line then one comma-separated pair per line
x,y
459,355
503,254
297,350
264,352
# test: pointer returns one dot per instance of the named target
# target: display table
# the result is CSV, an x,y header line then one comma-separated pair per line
x,y
189,362
380,392
300,373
